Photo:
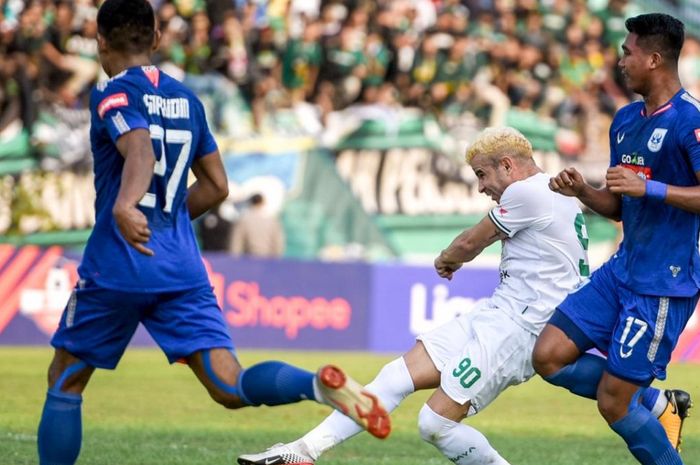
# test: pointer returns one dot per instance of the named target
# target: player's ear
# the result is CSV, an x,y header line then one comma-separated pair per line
x,y
655,60
101,43
507,164
156,40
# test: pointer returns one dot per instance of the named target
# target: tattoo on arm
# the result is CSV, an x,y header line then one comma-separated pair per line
x,y
497,234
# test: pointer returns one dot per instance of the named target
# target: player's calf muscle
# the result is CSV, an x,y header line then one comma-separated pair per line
x,y
218,371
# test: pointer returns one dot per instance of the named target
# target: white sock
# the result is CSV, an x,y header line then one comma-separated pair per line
x,y
392,384
660,404
461,444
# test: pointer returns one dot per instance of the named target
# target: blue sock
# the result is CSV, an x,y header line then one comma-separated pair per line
x,y
645,437
581,377
649,397
60,430
275,383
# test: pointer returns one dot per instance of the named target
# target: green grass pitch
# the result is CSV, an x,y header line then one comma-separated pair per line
x,y
147,413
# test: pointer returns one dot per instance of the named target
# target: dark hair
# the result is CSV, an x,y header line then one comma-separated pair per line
x,y
127,25
658,32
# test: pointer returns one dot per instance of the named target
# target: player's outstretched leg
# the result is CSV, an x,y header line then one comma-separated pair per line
x,y
278,383
345,395
391,385
351,398
677,409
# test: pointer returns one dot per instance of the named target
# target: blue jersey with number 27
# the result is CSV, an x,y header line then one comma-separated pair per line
x,y
144,97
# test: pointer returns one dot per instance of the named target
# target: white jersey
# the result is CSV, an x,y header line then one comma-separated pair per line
x,y
544,257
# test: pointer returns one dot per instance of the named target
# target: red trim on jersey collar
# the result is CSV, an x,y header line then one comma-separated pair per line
x,y
658,110
152,73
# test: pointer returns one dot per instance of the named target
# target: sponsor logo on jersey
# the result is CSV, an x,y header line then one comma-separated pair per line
x,y
643,172
502,211
620,137
657,139
172,108
111,102
635,162
503,274
633,159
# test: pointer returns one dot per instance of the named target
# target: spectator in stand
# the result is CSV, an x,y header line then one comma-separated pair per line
x,y
258,233
198,51
70,54
301,62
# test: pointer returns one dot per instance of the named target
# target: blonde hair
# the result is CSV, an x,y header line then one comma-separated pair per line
x,y
496,142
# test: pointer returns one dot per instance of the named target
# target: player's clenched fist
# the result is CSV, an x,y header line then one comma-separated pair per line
x,y
133,225
621,180
568,182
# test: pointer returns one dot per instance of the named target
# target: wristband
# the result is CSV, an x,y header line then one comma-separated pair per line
x,y
656,190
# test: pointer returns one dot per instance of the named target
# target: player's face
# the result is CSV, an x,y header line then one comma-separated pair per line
x,y
634,64
492,175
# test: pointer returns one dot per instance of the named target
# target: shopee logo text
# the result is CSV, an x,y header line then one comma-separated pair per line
x,y
291,313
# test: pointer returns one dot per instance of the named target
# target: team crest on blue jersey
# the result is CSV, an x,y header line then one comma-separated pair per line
x,y
656,139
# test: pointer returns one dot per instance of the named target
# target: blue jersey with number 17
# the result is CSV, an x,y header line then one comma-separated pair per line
x,y
659,253
144,97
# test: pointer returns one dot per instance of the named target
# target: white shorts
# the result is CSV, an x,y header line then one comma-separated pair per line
x,y
479,355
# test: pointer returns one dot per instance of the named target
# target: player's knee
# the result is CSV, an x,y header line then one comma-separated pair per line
x,y
431,426
68,374
543,361
611,407
552,351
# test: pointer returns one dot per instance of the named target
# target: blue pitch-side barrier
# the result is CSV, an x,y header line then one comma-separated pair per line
x,y
277,304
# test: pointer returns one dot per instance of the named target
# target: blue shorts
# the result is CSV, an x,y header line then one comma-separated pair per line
x,y
97,324
637,332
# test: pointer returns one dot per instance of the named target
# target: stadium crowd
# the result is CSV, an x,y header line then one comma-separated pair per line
x,y
310,66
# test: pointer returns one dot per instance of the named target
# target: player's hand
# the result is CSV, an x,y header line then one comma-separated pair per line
x,y
444,269
621,180
569,182
133,225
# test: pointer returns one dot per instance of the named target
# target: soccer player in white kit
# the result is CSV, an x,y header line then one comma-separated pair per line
x,y
474,358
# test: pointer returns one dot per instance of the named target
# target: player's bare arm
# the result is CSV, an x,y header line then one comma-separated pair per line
x,y
137,150
467,246
603,201
211,187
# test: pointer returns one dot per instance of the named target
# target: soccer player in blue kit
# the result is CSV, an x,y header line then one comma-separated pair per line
x,y
636,305
141,263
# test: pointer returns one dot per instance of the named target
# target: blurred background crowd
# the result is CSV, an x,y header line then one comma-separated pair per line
x,y
320,68
309,66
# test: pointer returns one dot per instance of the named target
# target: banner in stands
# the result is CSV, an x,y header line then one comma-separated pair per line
x,y
278,304
408,181
401,166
